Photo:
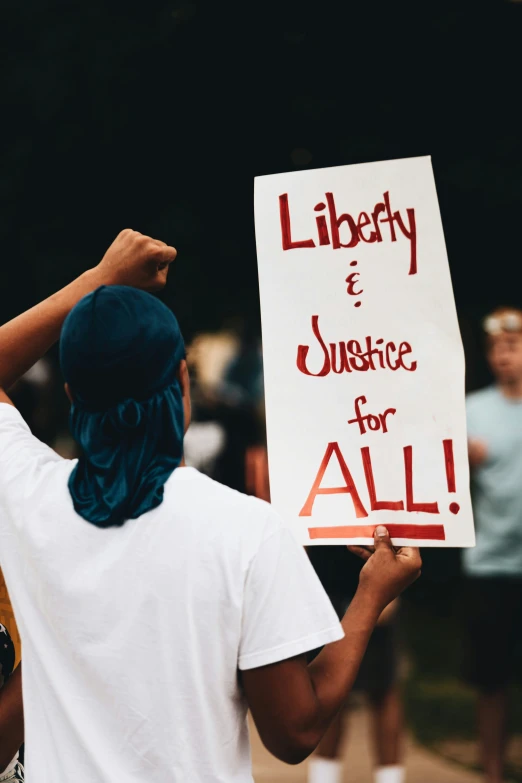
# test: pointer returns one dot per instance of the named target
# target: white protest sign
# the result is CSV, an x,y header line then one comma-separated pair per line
x,y
363,359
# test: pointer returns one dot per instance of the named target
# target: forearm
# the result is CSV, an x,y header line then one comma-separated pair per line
x,y
294,703
11,718
29,336
334,670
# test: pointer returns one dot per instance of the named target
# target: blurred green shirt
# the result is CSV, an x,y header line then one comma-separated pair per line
x,y
496,485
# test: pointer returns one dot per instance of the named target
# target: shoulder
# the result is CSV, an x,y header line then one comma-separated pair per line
x,y
20,450
246,515
10,417
15,435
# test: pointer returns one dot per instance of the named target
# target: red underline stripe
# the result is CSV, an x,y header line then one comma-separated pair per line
x,y
422,532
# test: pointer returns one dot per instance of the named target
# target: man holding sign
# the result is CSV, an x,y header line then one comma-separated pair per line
x,y
141,587
363,361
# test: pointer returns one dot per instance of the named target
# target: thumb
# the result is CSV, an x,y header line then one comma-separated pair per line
x,y
382,538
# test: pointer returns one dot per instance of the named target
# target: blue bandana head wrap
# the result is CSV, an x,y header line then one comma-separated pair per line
x,y
120,351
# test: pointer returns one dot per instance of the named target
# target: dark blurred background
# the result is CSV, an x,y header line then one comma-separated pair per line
x,y
157,116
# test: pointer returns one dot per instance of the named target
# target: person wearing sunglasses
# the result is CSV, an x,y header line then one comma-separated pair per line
x,y
493,569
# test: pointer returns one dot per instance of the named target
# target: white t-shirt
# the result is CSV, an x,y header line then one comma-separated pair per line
x,y
132,637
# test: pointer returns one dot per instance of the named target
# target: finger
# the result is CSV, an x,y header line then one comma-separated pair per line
x,y
382,538
360,551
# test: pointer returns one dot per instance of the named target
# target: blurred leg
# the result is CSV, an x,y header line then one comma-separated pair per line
x,y
380,682
492,715
494,605
387,727
325,766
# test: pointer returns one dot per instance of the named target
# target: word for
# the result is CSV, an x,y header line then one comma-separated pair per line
x,y
354,230
374,423
351,355
349,487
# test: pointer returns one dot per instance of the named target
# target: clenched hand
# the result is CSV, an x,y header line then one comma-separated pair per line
x,y
137,260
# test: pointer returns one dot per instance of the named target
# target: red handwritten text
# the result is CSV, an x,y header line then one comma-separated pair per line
x,y
374,423
351,355
349,487
362,229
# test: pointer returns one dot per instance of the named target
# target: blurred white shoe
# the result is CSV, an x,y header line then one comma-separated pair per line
x,y
321,770
392,774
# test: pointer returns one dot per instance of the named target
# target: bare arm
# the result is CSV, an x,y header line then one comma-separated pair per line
x,y
292,703
133,259
11,718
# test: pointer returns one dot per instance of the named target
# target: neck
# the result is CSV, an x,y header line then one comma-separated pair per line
x,y
511,389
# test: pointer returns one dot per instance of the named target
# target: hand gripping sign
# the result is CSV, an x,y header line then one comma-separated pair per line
x,y
364,366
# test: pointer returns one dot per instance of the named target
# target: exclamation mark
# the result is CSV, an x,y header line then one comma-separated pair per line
x,y
450,472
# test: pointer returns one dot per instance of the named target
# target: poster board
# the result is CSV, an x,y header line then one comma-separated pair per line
x,y
363,358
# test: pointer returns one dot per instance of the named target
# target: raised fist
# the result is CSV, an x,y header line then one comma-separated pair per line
x,y
137,260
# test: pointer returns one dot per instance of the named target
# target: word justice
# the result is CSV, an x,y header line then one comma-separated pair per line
x,y
352,356
410,504
361,229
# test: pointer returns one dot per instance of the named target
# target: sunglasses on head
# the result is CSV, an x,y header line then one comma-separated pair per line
x,y
507,322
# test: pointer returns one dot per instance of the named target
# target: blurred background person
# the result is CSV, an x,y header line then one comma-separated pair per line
x,y
227,398
11,718
207,357
494,567
239,400
377,679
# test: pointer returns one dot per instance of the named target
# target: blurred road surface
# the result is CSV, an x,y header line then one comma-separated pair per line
x,y
421,765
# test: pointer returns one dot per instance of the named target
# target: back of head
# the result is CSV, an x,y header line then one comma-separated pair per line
x,y
117,343
120,353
